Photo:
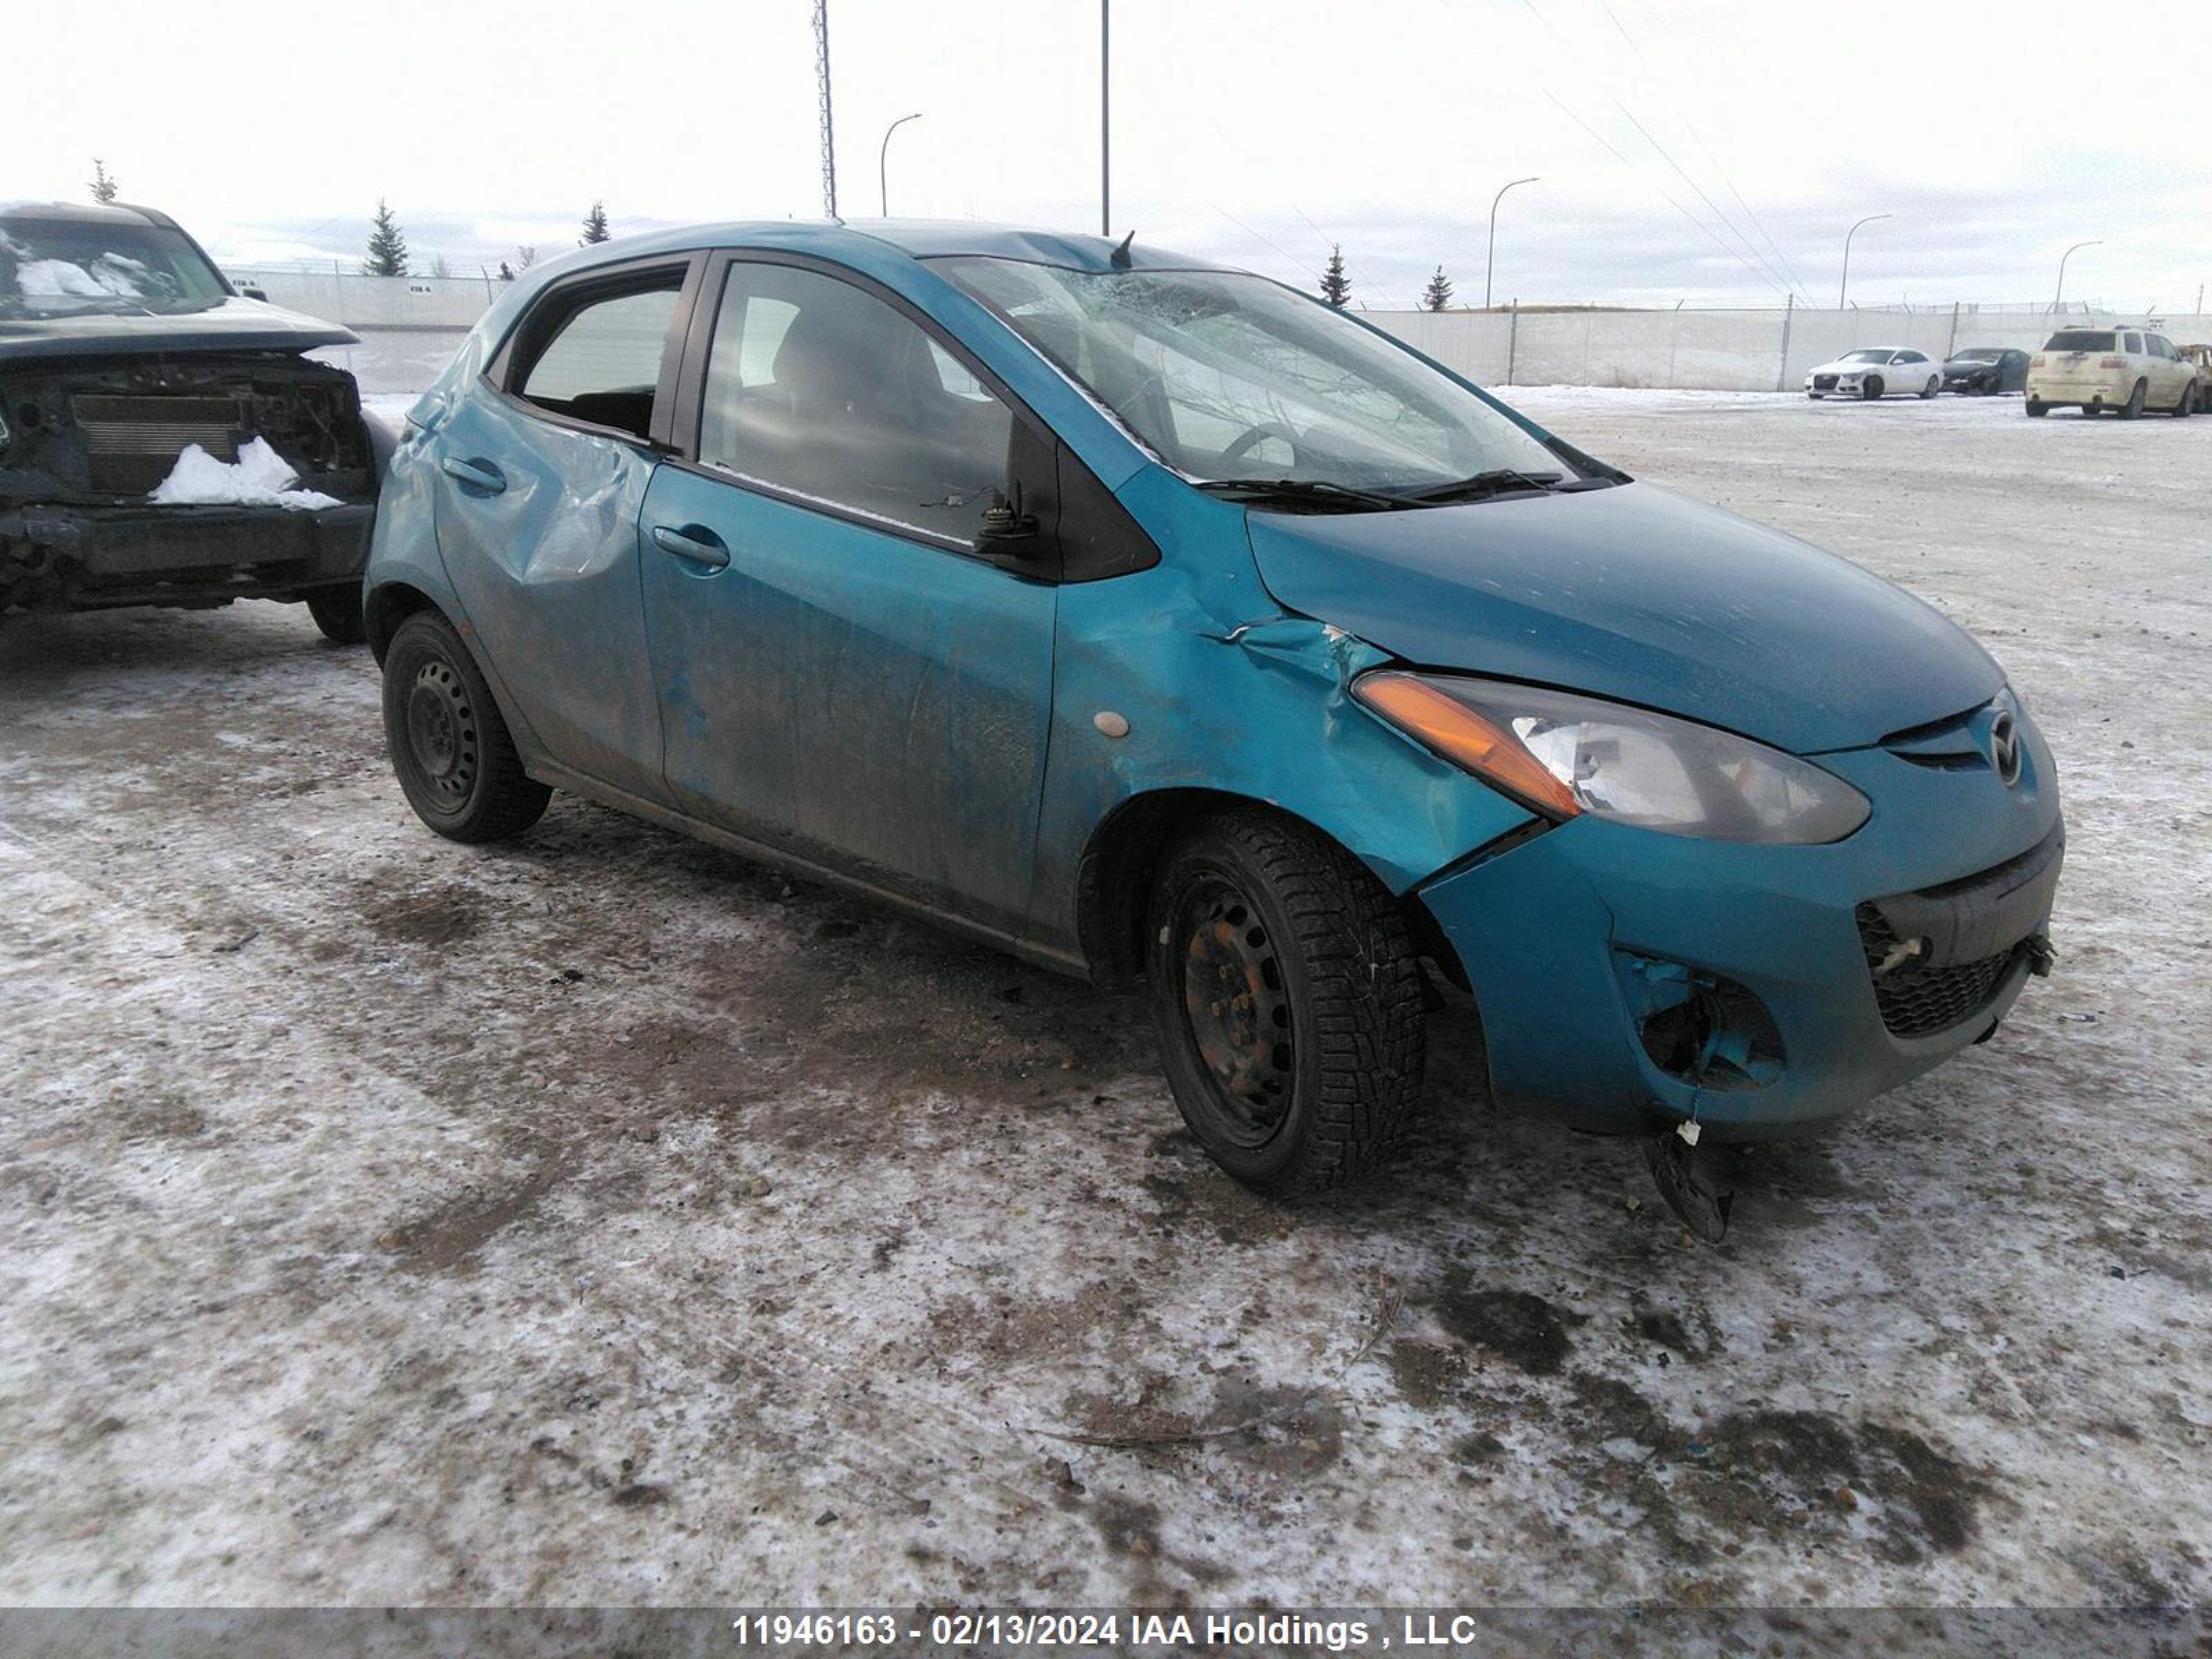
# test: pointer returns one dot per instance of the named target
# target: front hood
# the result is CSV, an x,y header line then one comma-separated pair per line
x,y
1968,365
231,324
1844,368
1634,593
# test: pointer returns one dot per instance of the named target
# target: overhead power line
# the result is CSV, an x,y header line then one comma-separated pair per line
x,y
1702,227
1756,264
1712,160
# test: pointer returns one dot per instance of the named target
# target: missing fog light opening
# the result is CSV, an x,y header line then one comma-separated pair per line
x,y
1702,1028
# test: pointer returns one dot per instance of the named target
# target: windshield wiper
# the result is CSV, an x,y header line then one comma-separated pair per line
x,y
1307,492
1496,481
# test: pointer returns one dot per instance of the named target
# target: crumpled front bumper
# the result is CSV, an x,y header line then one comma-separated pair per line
x,y
1572,938
83,557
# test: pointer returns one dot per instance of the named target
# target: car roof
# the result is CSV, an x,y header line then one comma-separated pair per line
x,y
868,241
95,212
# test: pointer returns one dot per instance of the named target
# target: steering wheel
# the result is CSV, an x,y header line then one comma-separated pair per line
x,y
1252,436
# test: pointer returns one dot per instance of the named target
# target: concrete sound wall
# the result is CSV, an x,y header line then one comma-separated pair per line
x,y
412,326
1718,350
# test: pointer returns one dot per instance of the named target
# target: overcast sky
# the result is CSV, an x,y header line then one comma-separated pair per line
x,y
1256,133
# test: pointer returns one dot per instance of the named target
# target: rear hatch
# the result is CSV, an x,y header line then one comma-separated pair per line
x,y
2079,359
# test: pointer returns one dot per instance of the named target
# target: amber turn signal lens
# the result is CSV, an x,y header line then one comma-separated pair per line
x,y
1464,738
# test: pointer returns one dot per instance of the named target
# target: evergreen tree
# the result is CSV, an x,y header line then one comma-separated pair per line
x,y
595,226
1335,286
387,245
1438,293
103,186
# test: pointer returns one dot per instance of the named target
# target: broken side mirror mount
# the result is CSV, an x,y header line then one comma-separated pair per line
x,y
1009,535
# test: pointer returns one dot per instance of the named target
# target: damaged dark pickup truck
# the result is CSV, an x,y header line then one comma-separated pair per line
x,y
122,348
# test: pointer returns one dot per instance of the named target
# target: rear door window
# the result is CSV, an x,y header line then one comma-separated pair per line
x,y
592,351
2132,344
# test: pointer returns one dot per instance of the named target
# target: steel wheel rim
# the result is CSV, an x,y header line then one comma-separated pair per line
x,y
441,733
1238,1007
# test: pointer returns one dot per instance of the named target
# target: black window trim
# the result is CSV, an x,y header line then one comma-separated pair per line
x,y
521,348
689,406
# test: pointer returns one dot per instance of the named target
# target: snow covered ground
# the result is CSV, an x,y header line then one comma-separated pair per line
x,y
600,1220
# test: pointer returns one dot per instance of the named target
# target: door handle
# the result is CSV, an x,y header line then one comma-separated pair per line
x,y
478,476
694,541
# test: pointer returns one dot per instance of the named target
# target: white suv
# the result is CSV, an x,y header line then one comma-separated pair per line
x,y
2122,368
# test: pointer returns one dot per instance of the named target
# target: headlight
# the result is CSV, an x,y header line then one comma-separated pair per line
x,y
1566,755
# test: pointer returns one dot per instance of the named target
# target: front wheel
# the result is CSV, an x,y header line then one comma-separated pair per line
x,y
449,747
1870,388
2185,405
1287,998
337,611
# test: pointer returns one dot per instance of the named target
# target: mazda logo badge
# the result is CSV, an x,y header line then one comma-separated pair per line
x,y
2005,747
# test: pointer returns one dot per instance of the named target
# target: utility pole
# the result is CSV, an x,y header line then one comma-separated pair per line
x,y
882,163
1490,264
1843,286
2062,258
1105,121
822,95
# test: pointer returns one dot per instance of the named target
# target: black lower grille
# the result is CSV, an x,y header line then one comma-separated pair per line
x,y
1917,1000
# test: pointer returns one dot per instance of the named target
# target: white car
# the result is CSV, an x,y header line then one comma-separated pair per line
x,y
2124,369
1876,372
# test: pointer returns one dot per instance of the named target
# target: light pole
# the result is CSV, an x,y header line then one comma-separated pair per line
x,y
883,162
2062,258
1105,124
1844,286
1490,262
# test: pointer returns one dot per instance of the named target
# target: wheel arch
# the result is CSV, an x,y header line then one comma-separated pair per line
x,y
389,604
1114,880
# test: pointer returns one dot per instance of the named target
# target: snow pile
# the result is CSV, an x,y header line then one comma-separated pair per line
x,y
259,478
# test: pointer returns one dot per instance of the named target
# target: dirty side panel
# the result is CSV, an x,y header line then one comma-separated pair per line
x,y
864,700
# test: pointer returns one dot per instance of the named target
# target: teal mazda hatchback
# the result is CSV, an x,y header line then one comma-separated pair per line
x,y
1159,623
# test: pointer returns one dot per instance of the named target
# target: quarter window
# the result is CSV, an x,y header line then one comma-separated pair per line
x,y
600,362
820,390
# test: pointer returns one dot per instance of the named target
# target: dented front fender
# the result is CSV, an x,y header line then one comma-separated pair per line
x,y
1223,690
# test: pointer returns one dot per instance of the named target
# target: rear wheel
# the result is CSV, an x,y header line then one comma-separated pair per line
x,y
449,747
2134,406
1870,388
1935,385
2036,407
337,611
1288,1001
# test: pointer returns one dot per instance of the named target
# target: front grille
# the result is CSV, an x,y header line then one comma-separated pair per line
x,y
131,443
1917,1000
1824,383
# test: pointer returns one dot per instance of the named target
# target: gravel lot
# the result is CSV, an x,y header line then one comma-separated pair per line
x,y
602,1220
